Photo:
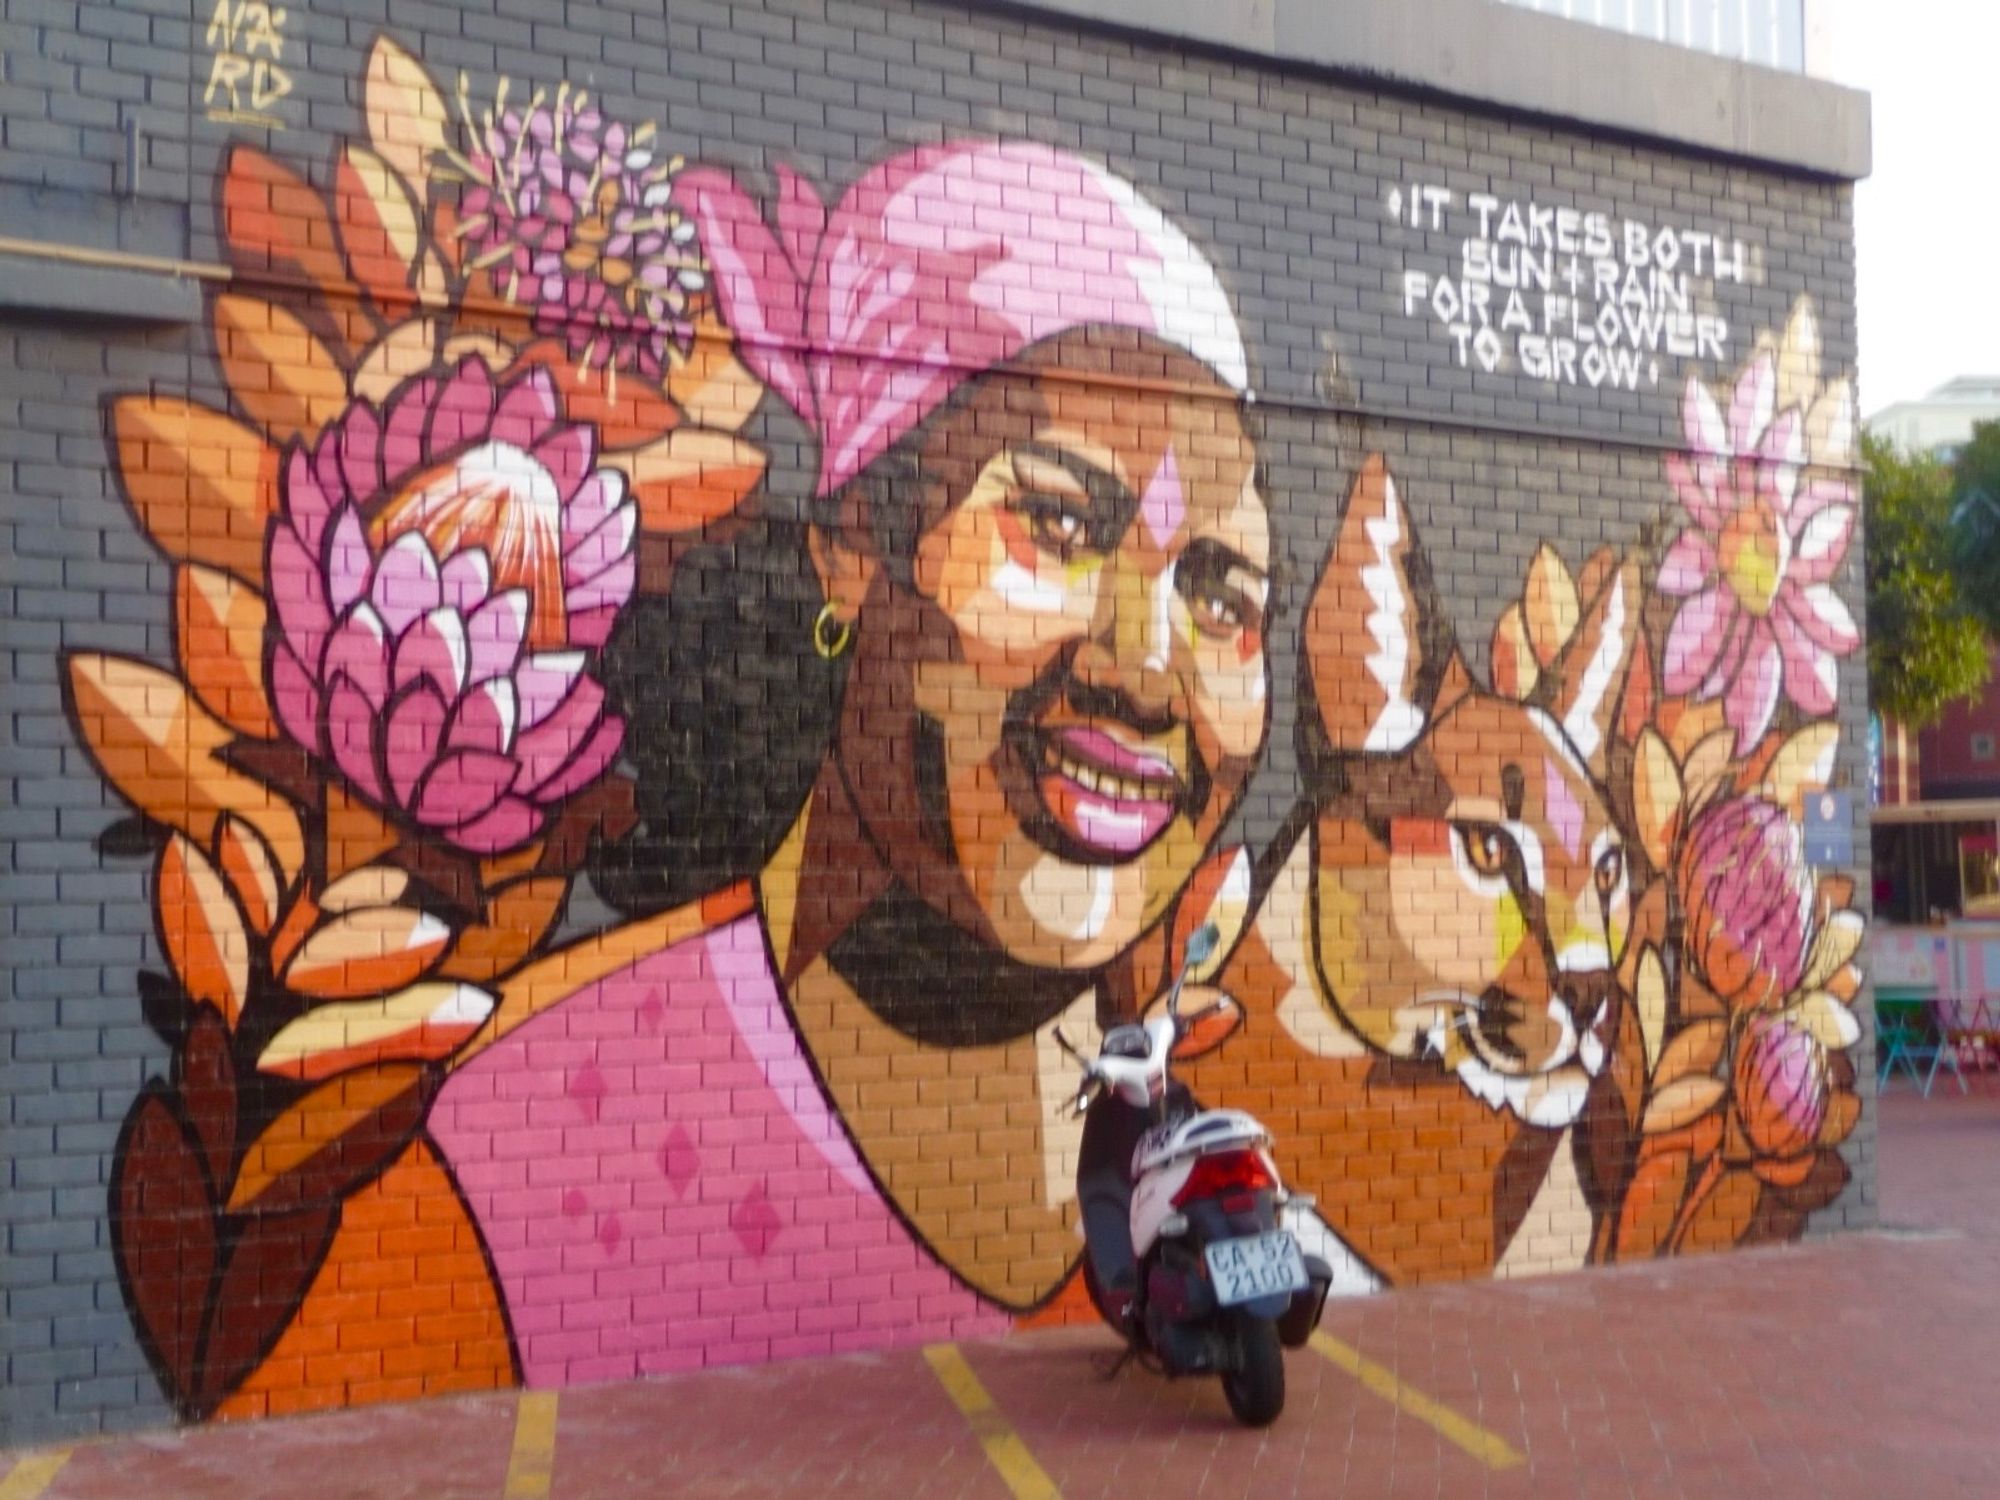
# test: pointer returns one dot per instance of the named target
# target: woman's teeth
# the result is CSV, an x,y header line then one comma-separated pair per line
x,y
1109,784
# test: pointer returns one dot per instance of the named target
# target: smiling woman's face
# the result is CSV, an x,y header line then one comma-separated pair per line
x,y
1048,720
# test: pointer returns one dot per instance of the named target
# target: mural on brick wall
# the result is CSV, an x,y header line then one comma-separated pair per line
x,y
1537,975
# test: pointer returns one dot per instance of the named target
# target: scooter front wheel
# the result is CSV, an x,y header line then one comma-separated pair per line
x,y
1255,1388
1100,1300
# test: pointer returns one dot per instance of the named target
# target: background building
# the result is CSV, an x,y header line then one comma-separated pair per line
x,y
613,617
1942,421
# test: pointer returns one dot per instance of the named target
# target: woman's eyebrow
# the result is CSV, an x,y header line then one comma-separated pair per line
x,y
1221,554
1094,479
1112,505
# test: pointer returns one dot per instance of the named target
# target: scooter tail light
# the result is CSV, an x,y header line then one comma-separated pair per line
x,y
1224,1174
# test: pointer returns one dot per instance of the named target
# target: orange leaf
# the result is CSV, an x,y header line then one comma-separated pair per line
x,y
421,1024
1843,1112
253,874
1637,707
512,926
689,477
1785,1174
1213,1018
378,226
203,485
355,836
1696,1048
628,411
367,952
221,646
712,387
273,221
278,370
326,1123
202,929
160,749
1652,1201
407,116
1721,1217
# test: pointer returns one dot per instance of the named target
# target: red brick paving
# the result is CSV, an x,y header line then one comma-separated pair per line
x,y
1863,1365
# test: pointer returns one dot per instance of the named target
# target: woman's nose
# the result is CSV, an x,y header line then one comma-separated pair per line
x,y
1131,643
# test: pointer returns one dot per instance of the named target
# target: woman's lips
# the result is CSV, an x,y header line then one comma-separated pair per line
x,y
1112,798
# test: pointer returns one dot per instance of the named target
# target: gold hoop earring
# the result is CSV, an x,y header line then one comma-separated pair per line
x,y
831,644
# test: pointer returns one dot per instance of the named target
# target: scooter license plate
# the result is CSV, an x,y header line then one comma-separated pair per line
x,y
1257,1265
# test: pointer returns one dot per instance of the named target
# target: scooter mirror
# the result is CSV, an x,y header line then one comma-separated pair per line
x,y
1201,944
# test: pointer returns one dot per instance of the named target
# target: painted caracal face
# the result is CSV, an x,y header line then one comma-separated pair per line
x,y
1471,890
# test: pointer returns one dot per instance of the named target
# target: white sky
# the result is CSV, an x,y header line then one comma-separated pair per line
x,y
1927,223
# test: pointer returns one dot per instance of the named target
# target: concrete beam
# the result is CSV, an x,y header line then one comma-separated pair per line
x,y
1503,56
37,285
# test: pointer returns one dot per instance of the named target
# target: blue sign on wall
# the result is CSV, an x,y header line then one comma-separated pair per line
x,y
1829,826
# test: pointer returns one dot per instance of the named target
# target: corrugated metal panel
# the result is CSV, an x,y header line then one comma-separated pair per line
x,y
1770,32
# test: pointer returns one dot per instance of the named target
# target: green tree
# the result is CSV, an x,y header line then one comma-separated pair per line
x,y
1976,522
1926,633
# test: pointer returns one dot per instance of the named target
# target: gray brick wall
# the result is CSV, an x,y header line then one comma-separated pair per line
x,y
1282,177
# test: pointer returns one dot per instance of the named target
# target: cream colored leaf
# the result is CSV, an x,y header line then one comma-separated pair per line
x,y
1799,357
1826,1021
1652,1003
1838,941
1707,767
1805,763
1656,797
1550,606
1830,425
371,885
366,951
1681,1103
1515,670
421,1024
407,117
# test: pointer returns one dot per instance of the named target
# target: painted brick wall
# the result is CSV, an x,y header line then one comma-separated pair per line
x,y
638,947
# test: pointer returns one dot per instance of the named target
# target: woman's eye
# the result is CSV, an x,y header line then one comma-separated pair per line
x,y
1218,614
1054,526
1487,849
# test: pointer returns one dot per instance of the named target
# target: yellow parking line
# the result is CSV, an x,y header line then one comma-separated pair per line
x,y
1025,1478
532,1465
33,1474
1488,1447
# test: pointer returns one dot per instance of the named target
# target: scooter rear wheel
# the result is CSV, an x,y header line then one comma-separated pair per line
x,y
1256,1387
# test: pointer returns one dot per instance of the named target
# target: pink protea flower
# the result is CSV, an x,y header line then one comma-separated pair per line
x,y
1760,618
1783,1088
570,214
1748,898
440,571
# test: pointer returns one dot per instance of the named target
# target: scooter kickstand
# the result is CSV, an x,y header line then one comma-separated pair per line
x,y
1110,1369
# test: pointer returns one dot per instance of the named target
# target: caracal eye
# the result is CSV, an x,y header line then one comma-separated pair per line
x,y
1486,848
1610,870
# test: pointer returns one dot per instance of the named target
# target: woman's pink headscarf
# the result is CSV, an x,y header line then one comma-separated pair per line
x,y
937,265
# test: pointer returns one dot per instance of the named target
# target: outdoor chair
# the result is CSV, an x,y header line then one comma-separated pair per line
x,y
1915,1035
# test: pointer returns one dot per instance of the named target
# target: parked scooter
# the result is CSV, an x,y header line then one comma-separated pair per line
x,y
1185,1256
